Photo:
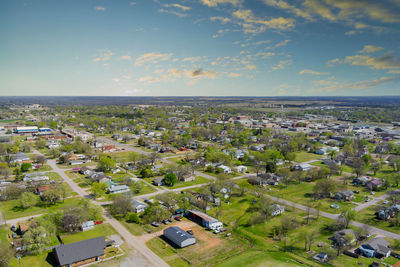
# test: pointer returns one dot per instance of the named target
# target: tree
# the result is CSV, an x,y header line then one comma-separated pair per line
x,y
290,156
358,166
170,179
348,215
36,238
71,221
98,189
132,217
4,170
25,147
13,191
154,156
26,167
375,167
134,157
51,196
121,205
324,187
6,254
55,153
27,200
40,143
106,163
137,187
40,159
332,154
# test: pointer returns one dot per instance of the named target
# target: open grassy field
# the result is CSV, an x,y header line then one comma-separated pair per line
x,y
104,229
11,208
303,194
303,156
198,180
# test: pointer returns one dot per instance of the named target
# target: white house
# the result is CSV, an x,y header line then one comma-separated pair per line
x,y
241,168
138,206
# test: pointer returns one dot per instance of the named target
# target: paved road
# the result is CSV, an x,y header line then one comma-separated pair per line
x,y
15,221
146,254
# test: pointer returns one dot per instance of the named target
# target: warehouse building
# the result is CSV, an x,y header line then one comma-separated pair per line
x,y
179,237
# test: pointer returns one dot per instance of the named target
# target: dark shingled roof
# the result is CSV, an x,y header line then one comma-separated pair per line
x,y
79,251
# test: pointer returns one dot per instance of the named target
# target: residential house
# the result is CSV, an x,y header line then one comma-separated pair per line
x,y
241,168
115,189
345,195
391,212
303,167
158,181
376,247
179,237
36,177
374,184
277,209
340,238
20,158
80,253
138,206
41,189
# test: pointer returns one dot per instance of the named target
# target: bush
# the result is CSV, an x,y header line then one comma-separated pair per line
x,y
26,167
170,179
132,217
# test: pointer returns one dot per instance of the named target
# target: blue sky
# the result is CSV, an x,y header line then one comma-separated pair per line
x,y
200,47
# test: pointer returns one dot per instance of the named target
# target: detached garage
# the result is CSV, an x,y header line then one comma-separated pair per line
x,y
179,237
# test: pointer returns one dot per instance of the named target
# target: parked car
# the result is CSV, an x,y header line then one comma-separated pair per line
x,y
98,222
165,222
155,224
190,232
216,231
386,202
367,199
334,206
178,218
356,192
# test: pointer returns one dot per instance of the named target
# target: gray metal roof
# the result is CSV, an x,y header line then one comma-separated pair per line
x,y
79,251
176,234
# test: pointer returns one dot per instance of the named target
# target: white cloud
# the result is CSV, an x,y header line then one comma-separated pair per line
x,y
104,57
152,58
282,64
235,75
214,3
132,3
99,8
223,20
370,49
283,43
125,57
253,24
182,7
334,61
312,72
172,12
387,61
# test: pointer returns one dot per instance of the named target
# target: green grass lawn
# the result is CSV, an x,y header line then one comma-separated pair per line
x,y
198,180
11,208
367,216
261,258
43,259
146,189
104,229
303,194
303,156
